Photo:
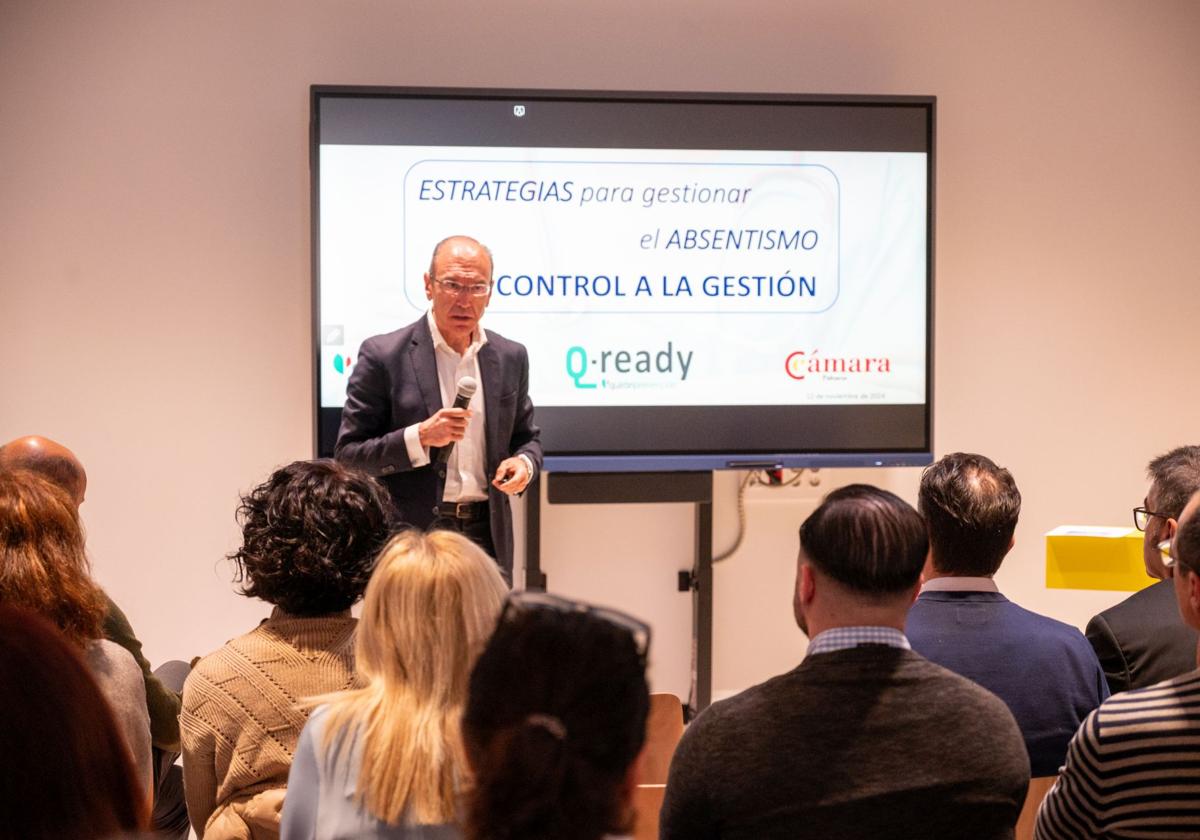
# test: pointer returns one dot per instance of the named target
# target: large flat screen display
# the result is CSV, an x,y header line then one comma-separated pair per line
x,y
702,281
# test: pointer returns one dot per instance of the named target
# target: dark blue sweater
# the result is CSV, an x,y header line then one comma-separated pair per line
x,y
1043,669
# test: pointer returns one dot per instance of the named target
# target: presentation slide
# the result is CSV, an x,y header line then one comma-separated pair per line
x,y
645,277
703,281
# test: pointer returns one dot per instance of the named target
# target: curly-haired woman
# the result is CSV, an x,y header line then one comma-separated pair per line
x,y
310,535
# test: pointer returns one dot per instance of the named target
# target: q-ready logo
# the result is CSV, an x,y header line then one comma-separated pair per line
x,y
577,365
622,368
342,364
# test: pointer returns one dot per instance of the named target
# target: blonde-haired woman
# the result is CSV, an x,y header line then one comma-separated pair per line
x,y
386,760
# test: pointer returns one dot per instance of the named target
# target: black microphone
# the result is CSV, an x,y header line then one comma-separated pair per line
x,y
466,390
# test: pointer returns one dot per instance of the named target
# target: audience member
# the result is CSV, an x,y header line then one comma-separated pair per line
x,y
1142,640
43,568
865,738
386,760
58,464
555,720
55,462
310,536
1043,669
1133,769
67,771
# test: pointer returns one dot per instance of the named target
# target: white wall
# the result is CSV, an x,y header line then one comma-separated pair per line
x,y
154,258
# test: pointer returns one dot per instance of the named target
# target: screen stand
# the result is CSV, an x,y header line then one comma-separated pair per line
x,y
641,488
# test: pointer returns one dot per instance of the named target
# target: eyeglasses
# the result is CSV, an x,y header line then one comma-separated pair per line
x,y
528,599
453,287
1141,517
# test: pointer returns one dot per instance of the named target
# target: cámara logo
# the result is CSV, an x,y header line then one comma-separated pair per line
x,y
801,364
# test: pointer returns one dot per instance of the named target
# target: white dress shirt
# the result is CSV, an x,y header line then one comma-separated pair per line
x,y
466,471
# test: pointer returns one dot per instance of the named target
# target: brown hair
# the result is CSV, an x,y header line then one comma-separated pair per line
x,y
970,505
310,534
43,566
67,771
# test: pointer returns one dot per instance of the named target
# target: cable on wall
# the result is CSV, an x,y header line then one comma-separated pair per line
x,y
765,478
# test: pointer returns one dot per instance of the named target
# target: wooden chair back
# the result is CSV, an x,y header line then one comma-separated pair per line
x,y
647,800
1039,786
664,728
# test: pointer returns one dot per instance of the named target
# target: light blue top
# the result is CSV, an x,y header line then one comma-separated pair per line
x,y
320,802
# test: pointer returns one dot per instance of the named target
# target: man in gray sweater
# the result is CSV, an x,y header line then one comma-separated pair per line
x,y
865,738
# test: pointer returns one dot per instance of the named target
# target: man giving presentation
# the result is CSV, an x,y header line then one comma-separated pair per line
x,y
448,455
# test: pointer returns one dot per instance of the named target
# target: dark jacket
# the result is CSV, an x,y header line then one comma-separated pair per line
x,y
1142,640
394,384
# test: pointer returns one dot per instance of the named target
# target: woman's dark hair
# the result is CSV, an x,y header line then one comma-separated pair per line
x,y
555,716
310,534
43,566
67,771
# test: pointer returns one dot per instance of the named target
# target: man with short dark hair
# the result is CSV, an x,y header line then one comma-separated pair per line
x,y
865,738
1142,641
1133,768
1043,669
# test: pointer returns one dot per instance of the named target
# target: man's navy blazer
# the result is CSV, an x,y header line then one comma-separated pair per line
x,y
1043,669
394,384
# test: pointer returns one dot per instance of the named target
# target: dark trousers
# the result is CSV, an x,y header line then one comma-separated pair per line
x,y
477,528
169,817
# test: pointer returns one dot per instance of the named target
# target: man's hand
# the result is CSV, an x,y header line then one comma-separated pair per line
x,y
449,425
512,475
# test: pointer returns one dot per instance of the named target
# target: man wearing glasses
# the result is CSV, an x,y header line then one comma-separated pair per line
x,y
1142,641
399,418
1133,768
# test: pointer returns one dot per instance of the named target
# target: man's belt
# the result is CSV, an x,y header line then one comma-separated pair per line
x,y
466,510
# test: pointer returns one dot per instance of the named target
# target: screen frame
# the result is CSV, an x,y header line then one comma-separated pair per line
x,y
324,436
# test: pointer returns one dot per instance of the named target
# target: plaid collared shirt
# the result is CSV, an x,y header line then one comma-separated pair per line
x,y
840,638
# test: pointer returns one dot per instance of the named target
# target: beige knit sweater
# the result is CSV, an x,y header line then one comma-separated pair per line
x,y
240,722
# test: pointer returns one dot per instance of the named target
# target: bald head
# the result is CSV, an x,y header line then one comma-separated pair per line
x,y
49,459
466,244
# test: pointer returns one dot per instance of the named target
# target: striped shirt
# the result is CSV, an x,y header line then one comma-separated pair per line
x,y
1133,768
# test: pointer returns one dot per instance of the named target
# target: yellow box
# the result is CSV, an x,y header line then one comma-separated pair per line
x,y
1091,557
